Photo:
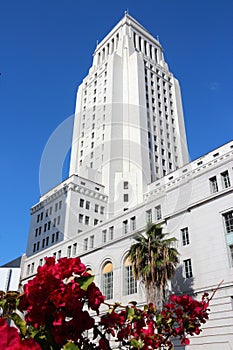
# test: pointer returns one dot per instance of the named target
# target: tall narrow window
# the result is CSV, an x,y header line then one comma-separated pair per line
x,y
74,249
149,215
92,241
133,223
213,184
107,280
228,224
188,268
104,236
130,284
85,244
125,226
111,232
185,236
158,212
225,179
69,251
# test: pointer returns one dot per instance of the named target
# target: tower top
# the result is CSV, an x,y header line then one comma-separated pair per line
x,y
134,25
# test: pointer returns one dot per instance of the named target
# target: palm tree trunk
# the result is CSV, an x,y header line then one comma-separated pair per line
x,y
154,295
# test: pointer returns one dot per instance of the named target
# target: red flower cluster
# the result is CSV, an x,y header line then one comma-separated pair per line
x,y
146,329
55,299
186,315
55,307
10,339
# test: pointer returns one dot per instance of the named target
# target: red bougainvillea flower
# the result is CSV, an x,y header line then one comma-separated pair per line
x,y
10,339
56,296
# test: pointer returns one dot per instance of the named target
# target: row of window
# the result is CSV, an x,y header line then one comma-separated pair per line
x,y
108,49
45,242
157,214
97,208
145,47
85,219
47,226
225,180
49,211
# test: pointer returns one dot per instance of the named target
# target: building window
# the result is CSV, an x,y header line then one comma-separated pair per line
x,y
80,218
104,236
96,208
228,218
158,213
81,203
58,254
188,268
149,215
69,251
225,179
58,220
85,245
213,184
125,226
56,206
130,284
185,235
107,280
133,223
101,210
111,232
87,220
41,262
75,249
126,197
87,205
231,253
96,222
92,241
126,185
57,235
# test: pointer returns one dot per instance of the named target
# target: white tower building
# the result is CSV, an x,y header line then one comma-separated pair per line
x,y
129,126
129,151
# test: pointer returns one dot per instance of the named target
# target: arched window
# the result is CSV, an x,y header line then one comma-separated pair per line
x,y
107,280
130,284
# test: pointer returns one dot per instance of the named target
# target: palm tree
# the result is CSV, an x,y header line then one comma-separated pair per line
x,y
154,260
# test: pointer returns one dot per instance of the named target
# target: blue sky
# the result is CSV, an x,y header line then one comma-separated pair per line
x,y
46,50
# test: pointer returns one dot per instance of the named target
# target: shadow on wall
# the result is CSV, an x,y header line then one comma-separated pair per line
x,y
181,285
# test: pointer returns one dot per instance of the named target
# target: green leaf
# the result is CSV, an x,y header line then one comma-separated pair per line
x,y
70,346
135,343
84,281
159,319
130,313
3,303
21,324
